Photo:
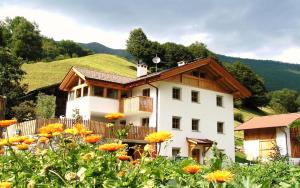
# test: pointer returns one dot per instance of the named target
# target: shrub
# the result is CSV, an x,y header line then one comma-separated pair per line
x,y
46,105
239,117
24,111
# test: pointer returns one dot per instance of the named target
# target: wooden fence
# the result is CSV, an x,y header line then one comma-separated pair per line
x,y
134,132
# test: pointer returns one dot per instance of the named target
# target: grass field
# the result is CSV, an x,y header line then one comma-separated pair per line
x,y
47,73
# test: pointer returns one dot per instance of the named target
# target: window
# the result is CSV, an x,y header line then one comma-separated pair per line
x,y
98,91
146,92
175,152
220,127
195,124
123,122
85,91
176,122
219,100
78,93
72,95
145,122
112,93
195,96
177,93
198,74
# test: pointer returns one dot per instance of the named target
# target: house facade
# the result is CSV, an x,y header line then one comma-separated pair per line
x,y
193,101
262,135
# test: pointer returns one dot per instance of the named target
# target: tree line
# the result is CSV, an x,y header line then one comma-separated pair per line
x,y
21,42
143,50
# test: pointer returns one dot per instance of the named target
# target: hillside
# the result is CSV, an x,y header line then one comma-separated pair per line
x,y
100,48
47,73
276,74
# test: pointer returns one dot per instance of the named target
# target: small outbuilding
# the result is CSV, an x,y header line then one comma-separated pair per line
x,y
262,135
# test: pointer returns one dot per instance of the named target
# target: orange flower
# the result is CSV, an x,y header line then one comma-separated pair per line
x,y
135,162
114,116
124,157
43,140
92,139
29,141
158,137
5,184
192,169
7,123
2,151
219,176
111,147
22,147
121,173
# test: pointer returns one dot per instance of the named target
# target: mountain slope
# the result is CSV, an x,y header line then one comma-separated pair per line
x,y
100,48
277,75
47,73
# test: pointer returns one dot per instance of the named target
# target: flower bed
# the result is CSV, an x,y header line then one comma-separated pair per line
x,y
77,158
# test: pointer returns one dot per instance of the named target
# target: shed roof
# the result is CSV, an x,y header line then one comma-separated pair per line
x,y
279,120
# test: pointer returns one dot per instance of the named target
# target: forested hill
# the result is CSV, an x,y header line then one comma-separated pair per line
x,y
277,75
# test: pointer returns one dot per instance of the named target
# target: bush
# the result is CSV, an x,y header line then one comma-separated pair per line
x,y
239,117
24,111
46,105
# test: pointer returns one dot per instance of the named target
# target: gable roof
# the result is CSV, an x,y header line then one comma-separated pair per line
x,y
126,82
280,120
109,77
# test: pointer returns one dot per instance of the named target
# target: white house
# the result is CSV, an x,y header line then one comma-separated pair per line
x,y
194,101
263,134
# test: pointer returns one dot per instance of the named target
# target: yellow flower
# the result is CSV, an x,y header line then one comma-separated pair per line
x,y
158,137
111,147
114,116
88,156
72,131
192,169
15,139
92,139
80,128
22,147
7,123
121,174
3,142
43,140
219,176
5,184
29,141
45,135
52,128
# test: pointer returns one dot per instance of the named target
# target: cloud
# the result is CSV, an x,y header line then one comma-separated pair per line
x,y
264,29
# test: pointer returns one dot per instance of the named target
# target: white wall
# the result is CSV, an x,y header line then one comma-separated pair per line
x,y
281,134
207,111
91,105
251,149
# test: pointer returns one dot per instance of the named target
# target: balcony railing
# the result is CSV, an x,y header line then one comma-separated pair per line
x,y
134,132
135,105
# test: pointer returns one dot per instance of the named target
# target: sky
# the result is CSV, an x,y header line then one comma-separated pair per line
x,y
260,29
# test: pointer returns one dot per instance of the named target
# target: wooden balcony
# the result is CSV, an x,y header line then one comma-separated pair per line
x,y
136,105
135,133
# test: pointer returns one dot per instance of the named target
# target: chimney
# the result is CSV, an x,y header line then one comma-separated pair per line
x,y
141,70
180,63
